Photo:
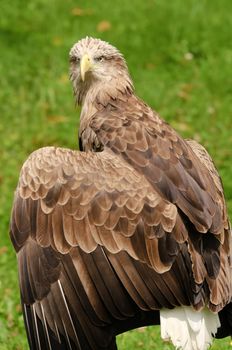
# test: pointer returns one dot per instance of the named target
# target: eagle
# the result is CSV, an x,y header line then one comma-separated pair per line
x,y
131,230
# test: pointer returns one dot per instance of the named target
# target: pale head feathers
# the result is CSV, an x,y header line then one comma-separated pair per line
x,y
95,47
104,77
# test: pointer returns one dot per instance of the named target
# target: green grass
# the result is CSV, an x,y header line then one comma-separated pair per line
x,y
180,57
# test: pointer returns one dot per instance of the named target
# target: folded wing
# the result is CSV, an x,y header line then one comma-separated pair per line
x,y
95,245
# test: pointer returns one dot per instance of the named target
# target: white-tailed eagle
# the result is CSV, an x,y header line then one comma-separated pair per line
x,y
131,230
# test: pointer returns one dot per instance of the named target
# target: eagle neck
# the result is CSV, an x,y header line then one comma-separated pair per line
x,y
99,95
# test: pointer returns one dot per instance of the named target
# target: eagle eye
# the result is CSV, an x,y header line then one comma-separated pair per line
x,y
74,59
99,58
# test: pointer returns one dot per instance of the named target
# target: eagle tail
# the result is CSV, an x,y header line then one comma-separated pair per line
x,y
189,329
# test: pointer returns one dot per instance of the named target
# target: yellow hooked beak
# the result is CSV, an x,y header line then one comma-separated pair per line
x,y
85,66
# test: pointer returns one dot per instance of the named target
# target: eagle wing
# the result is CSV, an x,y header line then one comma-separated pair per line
x,y
207,161
96,244
181,174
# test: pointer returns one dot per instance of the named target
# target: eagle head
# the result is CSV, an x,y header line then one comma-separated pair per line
x,y
95,65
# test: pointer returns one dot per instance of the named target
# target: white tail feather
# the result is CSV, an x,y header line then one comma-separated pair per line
x,y
187,328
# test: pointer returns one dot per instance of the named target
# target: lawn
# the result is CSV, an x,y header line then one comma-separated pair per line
x,y
180,57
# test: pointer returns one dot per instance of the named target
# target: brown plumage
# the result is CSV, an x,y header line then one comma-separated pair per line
x,y
134,223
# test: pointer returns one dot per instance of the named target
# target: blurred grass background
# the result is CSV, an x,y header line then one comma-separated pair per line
x,y
180,57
